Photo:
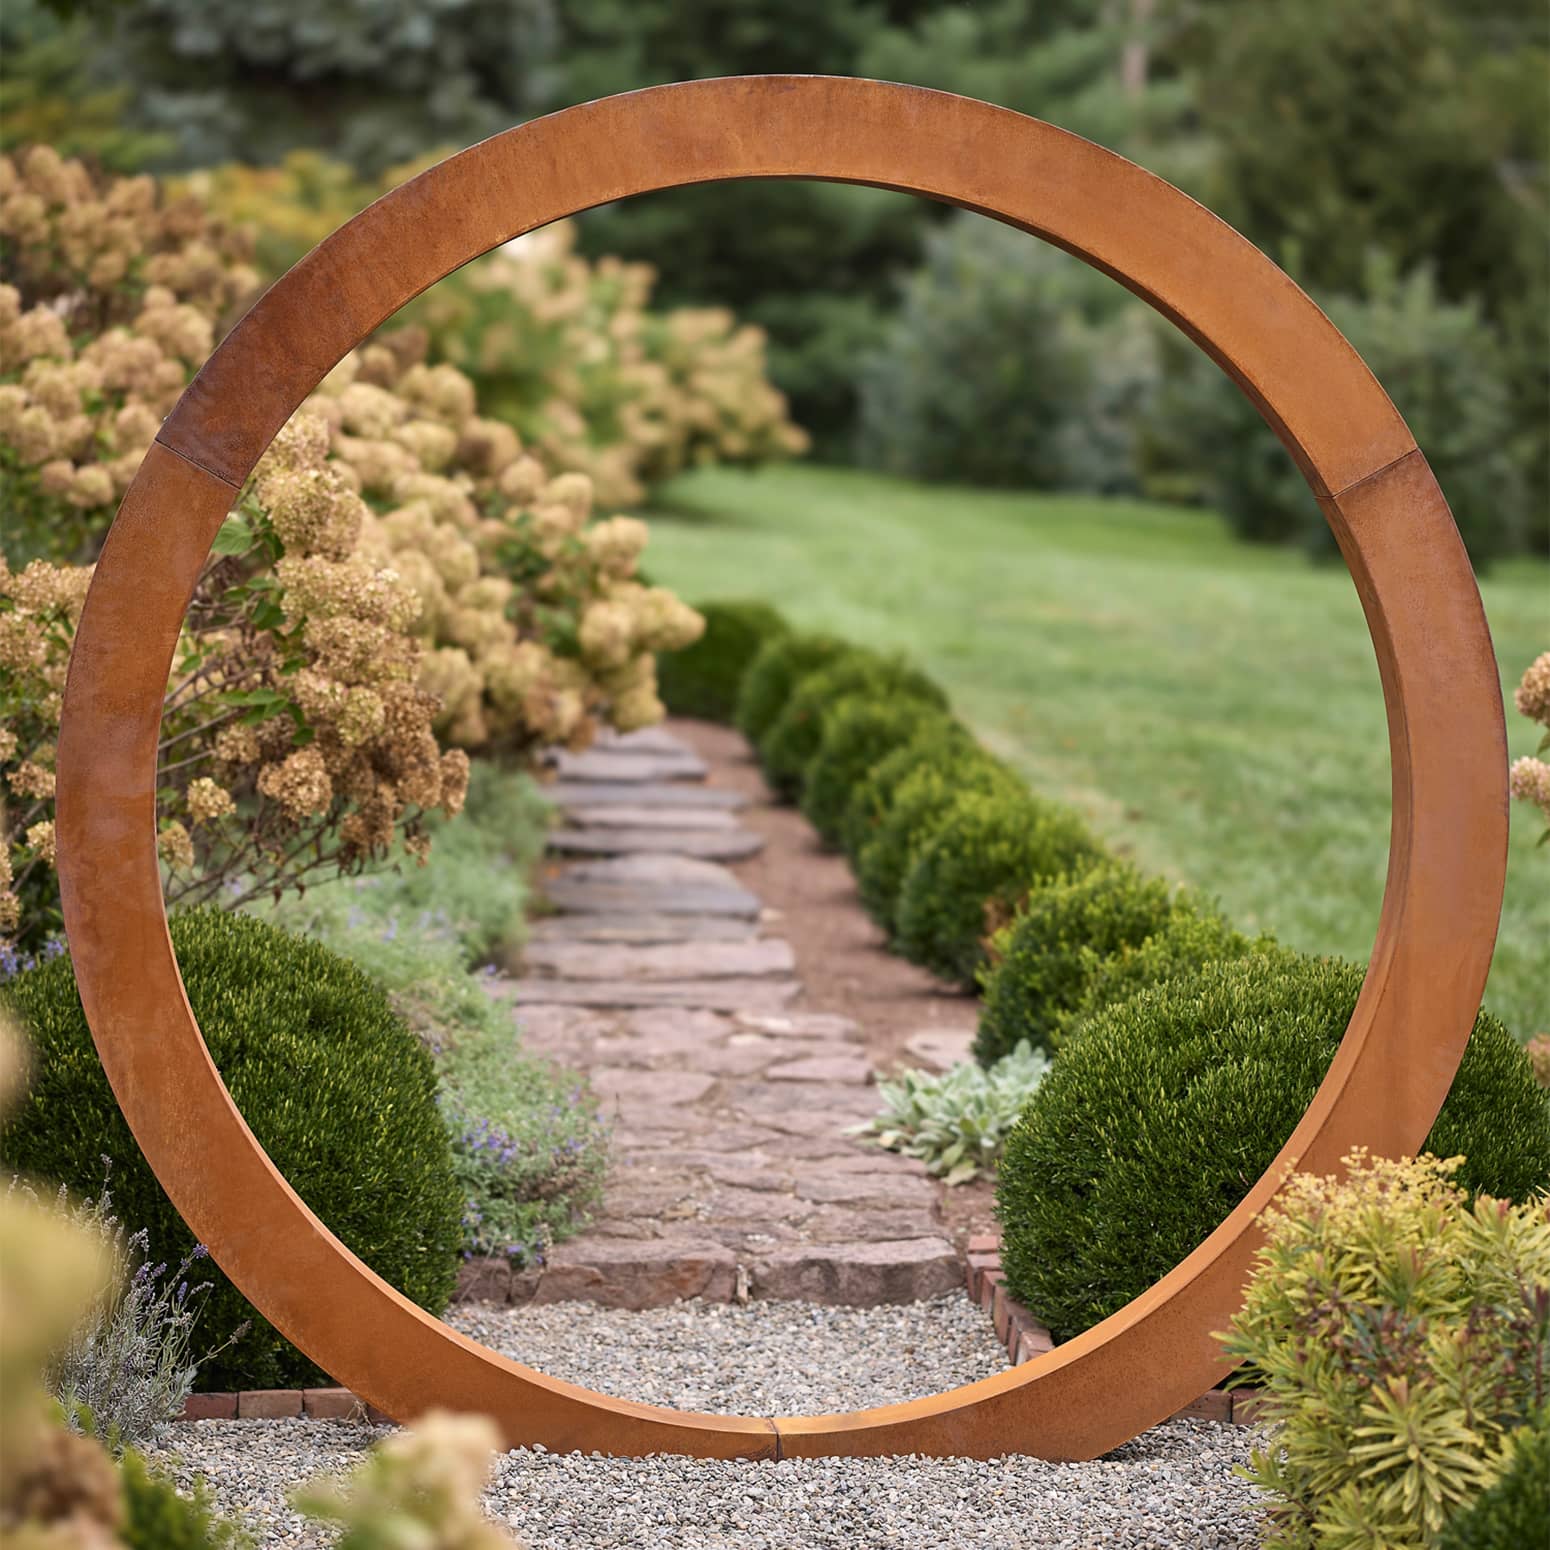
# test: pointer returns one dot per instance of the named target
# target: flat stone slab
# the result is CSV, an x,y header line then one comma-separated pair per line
x,y
650,1087
724,995
599,793
613,765
581,898
656,867
642,928
852,1274
843,1070
801,1025
626,815
733,844
938,1049
641,740
660,961
630,1273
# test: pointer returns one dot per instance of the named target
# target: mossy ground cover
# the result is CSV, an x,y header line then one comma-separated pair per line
x,y
1212,708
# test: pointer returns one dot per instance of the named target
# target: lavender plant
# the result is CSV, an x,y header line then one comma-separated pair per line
x,y
129,1364
529,1150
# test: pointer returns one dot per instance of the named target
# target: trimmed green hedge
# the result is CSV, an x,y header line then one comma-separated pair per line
x,y
791,744
704,679
1162,1113
859,733
774,673
336,1088
988,852
1044,967
872,798
935,780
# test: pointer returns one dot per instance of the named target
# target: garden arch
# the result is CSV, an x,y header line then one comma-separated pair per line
x,y
1447,738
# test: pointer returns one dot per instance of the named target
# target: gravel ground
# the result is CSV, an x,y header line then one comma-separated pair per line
x,y
762,1358
1172,1487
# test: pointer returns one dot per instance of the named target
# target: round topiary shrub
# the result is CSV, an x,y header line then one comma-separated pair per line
x,y
872,797
989,851
1039,966
1510,1513
1187,941
1157,1119
925,786
337,1089
779,667
792,743
859,733
703,679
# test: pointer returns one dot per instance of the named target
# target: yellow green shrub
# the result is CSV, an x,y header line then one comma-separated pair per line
x,y
1400,1330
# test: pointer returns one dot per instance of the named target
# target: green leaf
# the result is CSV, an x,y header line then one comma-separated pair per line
x,y
235,537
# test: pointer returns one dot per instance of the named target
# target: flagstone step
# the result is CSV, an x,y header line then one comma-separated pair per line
x,y
644,898
566,794
625,816
659,961
715,995
613,765
642,927
707,844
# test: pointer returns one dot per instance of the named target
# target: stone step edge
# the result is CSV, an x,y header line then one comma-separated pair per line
x,y
1026,1338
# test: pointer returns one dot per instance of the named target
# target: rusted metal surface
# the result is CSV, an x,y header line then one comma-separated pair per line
x,y
1449,832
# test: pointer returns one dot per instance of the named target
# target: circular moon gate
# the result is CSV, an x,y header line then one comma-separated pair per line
x,y
1447,739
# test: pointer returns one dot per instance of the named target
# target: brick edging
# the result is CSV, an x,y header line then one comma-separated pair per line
x,y
280,1405
1026,1338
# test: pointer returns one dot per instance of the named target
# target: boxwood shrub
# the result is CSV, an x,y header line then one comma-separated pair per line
x,y
790,745
781,664
989,851
1188,940
858,734
1042,966
1160,1115
933,781
1511,1513
703,679
337,1089
872,796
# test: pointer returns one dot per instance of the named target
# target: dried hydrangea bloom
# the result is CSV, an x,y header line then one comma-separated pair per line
x,y
174,846
1529,781
1532,696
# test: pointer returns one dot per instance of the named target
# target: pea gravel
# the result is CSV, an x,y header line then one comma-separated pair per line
x,y
1172,1487
760,1358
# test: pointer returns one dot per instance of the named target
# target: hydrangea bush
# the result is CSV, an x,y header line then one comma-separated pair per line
x,y
400,581
567,349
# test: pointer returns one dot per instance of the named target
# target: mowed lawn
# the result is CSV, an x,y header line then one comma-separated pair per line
x,y
1212,707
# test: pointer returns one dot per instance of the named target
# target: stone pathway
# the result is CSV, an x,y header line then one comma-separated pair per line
x,y
666,980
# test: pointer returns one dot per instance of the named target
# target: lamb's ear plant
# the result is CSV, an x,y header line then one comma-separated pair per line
x,y
956,1122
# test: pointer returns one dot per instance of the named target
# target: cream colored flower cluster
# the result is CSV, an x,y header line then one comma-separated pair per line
x,y
89,245
1529,778
535,626
79,420
600,384
39,607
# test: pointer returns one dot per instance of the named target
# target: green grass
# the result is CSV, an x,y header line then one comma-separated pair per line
x,y
1213,708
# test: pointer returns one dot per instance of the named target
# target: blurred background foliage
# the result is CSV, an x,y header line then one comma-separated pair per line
x,y
1391,154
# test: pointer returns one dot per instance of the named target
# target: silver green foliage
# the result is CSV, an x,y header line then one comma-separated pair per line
x,y
956,1122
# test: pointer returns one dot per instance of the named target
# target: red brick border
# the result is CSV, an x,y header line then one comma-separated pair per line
x,y
1025,1337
